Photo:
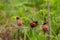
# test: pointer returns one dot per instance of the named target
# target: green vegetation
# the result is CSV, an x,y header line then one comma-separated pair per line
x,y
28,10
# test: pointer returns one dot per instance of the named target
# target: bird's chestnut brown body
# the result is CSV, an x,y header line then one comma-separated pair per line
x,y
33,24
45,28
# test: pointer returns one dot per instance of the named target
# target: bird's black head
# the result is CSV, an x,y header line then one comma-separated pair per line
x,y
17,18
35,22
45,23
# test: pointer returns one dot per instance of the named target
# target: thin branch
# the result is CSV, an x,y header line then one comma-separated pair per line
x,y
49,35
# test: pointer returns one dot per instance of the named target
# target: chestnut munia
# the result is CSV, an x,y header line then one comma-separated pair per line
x,y
33,24
45,26
19,22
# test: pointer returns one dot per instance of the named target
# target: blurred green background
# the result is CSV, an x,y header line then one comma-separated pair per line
x,y
27,10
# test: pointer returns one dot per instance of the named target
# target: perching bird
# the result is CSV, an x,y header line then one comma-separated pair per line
x,y
19,22
33,24
45,26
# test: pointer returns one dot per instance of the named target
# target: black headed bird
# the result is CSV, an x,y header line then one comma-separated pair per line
x,y
45,26
33,24
19,22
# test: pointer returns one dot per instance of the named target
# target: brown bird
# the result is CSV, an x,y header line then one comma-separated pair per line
x,y
19,22
33,24
45,26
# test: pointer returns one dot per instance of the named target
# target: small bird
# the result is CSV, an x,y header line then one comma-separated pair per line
x,y
45,26
33,24
19,22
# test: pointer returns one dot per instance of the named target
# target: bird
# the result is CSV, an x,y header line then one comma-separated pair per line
x,y
33,24
19,22
45,26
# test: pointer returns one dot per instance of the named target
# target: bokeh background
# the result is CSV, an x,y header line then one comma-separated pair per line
x,y
27,10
